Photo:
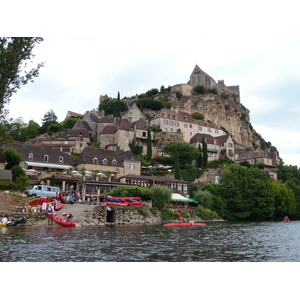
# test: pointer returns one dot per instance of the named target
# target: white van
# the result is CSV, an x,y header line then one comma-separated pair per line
x,y
43,191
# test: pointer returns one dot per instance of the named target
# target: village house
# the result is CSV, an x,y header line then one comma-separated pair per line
x,y
216,146
117,164
269,159
171,121
67,141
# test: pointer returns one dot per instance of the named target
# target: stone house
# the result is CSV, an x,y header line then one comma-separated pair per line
x,y
269,159
97,160
171,121
216,146
67,141
43,159
89,121
133,114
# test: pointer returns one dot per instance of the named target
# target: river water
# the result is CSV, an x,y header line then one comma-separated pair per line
x,y
216,242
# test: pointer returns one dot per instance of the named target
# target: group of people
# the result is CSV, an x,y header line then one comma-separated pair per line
x,y
190,215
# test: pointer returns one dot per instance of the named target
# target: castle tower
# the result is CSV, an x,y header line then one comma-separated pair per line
x,y
199,77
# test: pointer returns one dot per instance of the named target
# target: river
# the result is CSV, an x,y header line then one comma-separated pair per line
x,y
216,242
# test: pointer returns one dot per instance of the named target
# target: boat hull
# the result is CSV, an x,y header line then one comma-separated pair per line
x,y
63,222
184,225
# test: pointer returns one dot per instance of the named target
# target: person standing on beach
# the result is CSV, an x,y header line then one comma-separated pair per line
x,y
51,213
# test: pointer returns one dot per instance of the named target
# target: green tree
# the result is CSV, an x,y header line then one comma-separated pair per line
x,y
247,193
177,174
204,198
69,122
49,118
117,107
204,153
17,171
22,182
15,54
32,129
200,157
161,195
11,157
186,152
135,149
149,144
53,127
285,201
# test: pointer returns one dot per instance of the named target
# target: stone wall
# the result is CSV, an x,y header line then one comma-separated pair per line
x,y
113,215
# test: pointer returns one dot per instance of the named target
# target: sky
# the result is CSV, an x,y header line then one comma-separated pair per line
x,y
133,46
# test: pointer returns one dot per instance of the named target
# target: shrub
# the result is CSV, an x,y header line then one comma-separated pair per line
x,y
168,214
206,214
199,89
8,185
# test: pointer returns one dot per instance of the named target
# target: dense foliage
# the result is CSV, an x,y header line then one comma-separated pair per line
x,y
15,54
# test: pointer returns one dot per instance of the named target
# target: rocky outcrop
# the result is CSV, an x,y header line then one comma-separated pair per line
x,y
222,110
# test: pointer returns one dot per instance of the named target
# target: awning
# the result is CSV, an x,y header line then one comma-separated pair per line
x,y
177,197
45,165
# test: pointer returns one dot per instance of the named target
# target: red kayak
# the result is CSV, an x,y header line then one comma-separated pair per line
x,y
63,222
58,206
183,225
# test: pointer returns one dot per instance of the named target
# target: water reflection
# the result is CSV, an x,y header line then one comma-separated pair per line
x,y
224,241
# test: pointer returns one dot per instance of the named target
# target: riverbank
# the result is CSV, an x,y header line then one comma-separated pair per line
x,y
84,214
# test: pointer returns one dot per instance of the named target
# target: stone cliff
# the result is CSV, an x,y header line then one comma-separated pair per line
x,y
222,110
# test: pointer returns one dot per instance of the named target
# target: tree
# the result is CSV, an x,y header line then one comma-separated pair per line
x,y
17,171
186,152
149,144
200,158
54,127
49,118
285,201
117,107
204,198
177,174
69,122
135,149
161,195
32,129
15,53
11,157
247,193
204,153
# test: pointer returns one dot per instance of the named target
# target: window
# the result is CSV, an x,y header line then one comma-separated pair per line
x,y
185,125
104,162
132,166
208,130
46,158
166,122
144,134
230,145
61,160
127,133
191,125
200,128
95,161
113,162
30,157
217,131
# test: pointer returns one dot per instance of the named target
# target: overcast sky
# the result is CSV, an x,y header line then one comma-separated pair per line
x,y
127,47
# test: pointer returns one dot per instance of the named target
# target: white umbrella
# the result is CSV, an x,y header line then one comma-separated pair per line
x,y
88,172
100,174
